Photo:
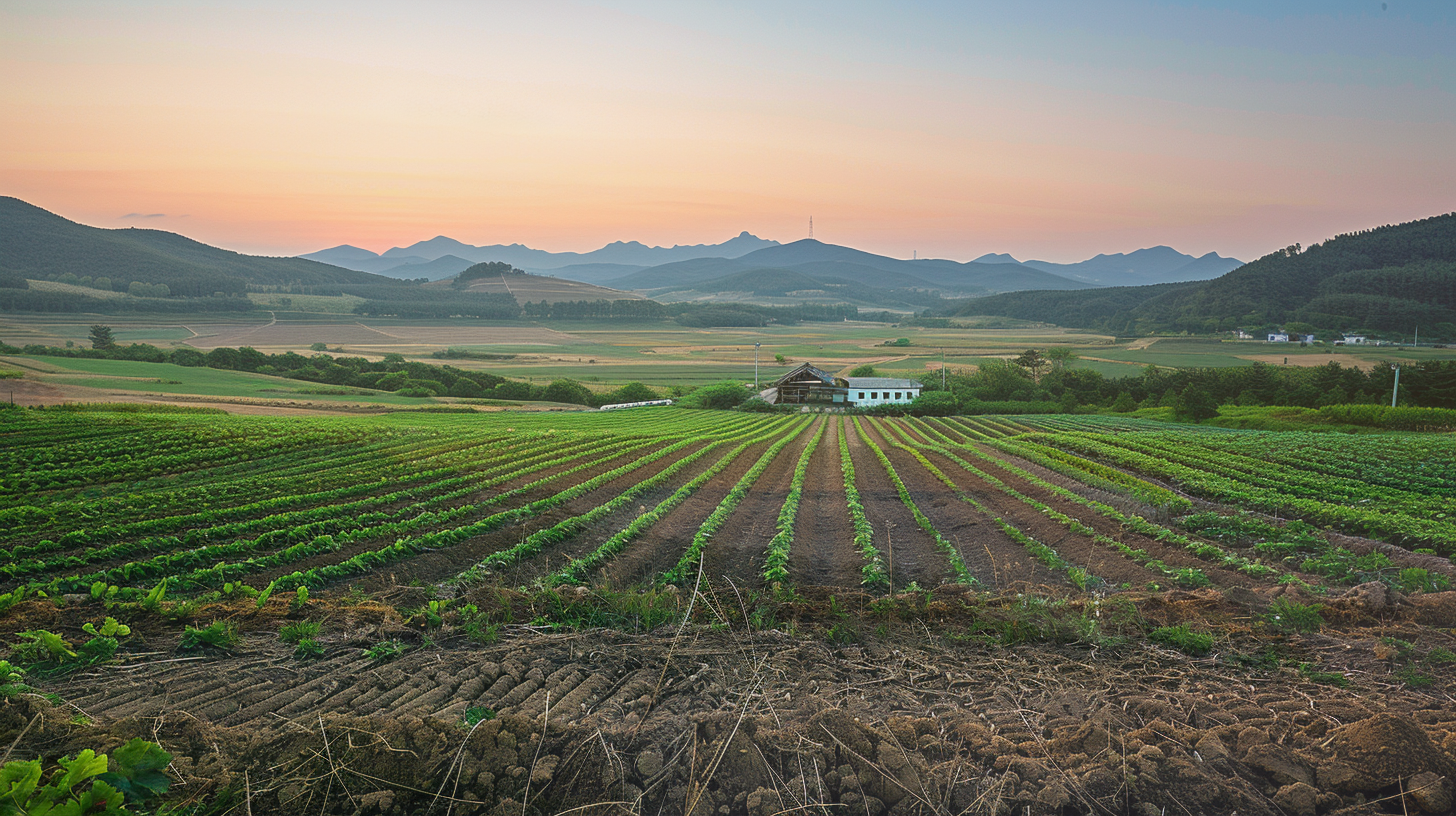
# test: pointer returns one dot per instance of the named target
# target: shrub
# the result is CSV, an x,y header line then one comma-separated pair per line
x,y
722,395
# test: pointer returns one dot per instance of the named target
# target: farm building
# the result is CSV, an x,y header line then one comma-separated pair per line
x,y
807,385
1278,338
868,391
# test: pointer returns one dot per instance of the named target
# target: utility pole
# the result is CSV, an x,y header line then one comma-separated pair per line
x,y
942,368
1394,392
755,365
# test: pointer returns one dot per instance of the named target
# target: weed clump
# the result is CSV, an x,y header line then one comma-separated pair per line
x,y
219,635
1292,616
1180,637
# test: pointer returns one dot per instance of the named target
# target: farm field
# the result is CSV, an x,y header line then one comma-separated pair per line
x,y
912,615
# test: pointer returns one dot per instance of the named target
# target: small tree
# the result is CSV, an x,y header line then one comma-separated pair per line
x,y
865,370
1034,363
101,337
1060,357
1196,404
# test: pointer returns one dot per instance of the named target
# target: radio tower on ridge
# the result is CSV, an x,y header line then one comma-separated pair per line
x,y
811,228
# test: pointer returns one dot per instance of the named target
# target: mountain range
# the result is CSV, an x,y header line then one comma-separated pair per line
x,y
448,254
442,257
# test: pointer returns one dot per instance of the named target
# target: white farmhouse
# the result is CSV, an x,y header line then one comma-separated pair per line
x,y
865,392
1279,338
1354,340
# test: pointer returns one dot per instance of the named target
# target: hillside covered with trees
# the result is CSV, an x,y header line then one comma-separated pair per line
x,y
1389,279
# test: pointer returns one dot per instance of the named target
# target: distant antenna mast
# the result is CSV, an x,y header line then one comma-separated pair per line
x,y
811,227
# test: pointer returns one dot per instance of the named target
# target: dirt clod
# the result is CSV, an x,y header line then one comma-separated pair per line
x,y
1298,799
1385,749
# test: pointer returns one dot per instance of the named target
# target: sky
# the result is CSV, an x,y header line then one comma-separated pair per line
x,y
1049,130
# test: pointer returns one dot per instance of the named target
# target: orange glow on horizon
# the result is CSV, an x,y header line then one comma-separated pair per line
x,y
281,133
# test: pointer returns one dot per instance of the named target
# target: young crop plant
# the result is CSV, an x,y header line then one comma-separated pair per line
x,y
82,784
219,635
687,565
776,562
576,570
1201,549
957,564
385,651
874,575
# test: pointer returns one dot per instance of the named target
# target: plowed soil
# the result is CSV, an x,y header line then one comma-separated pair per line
x,y
909,715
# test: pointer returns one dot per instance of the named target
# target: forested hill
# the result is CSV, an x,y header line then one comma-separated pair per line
x,y
38,244
1391,278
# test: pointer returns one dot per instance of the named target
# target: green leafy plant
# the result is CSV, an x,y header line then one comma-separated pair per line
x,y
308,648
1292,616
42,646
140,771
385,651
83,785
265,594
300,599
1326,678
153,600
105,640
298,631
12,681
104,593
1412,677
1183,639
1412,580
220,635
478,714
238,590
1441,655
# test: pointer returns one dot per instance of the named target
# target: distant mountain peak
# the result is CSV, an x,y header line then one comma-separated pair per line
x,y
995,257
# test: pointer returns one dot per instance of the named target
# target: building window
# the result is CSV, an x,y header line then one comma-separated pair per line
x,y
897,395
861,395
874,395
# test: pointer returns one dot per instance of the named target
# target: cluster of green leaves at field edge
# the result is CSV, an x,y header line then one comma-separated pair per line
x,y
83,785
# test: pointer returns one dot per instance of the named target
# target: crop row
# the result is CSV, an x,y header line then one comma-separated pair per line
x,y
957,564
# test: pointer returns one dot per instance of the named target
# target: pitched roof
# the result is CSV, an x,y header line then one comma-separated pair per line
x,y
882,383
804,368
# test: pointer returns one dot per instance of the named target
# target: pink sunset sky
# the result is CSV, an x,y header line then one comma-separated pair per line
x,y
1053,130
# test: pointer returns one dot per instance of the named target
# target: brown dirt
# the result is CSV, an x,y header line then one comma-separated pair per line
x,y
661,545
915,717
991,555
910,555
823,553
736,551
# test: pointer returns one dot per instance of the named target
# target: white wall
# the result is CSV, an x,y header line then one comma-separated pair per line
x,y
882,397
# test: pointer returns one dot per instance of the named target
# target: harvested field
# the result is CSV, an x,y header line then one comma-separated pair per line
x,y
708,612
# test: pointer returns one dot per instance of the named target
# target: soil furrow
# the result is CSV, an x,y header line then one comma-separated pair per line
x,y
910,555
